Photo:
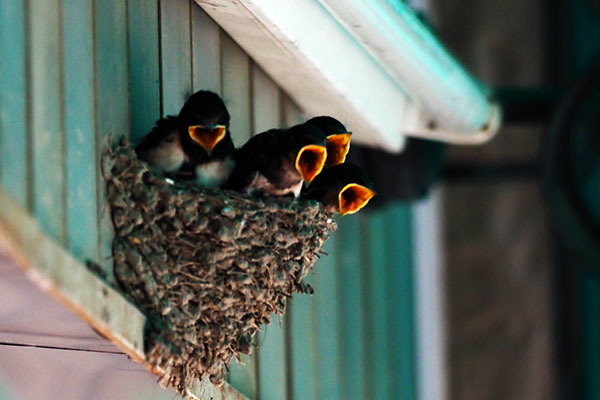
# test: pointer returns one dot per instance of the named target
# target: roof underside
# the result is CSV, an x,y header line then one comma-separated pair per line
x,y
372,65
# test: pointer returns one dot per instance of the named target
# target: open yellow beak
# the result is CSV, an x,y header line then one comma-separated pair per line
x,y
337,148
353,197
207,137
310,161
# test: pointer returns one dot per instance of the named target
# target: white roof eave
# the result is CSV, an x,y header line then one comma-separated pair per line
x,y
331,65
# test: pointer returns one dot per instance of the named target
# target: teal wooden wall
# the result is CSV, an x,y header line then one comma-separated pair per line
x,y
74,72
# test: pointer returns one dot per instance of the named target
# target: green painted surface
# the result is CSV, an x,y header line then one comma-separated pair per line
x,y
326,314
47,139
376,303
235,81
80,139
206,52
176,75
400,319
243,376
351,307
302,343
13,98
272,383
112,101
144,71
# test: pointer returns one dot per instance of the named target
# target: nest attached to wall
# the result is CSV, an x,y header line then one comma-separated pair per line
x,y
207,267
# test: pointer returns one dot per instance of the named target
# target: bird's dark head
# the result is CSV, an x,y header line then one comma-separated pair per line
x,y
204,119
343,189
308,144
338,138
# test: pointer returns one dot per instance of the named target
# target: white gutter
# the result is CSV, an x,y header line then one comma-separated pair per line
x,y
328,64
458,106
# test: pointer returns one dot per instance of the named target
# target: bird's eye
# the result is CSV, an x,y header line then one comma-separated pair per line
x,y
169,139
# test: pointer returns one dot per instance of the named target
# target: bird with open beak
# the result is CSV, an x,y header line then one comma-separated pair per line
x,y
206,139
338,138
197,143
342,189
277,162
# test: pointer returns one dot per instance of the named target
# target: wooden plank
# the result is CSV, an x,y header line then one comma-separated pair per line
x,y
326,314
206,51
13,101
29,316
112,102
266,102
272,374
292,115
55,271
80,142
351,307
235,79
144,63
302,344
401,324
242,376
42,373
376,299
176,57
272,379
302,337
47,138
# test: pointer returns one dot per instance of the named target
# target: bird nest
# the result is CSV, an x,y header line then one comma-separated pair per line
x,y
207,267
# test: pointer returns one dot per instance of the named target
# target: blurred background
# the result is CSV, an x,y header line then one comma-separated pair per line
x,y
520,213
472,275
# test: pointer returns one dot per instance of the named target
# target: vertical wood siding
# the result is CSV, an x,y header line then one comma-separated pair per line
x,y
80,141
13,101
74,73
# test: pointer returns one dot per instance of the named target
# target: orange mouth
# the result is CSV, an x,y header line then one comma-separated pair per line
x,y
310,161
337,148
207,137
353,197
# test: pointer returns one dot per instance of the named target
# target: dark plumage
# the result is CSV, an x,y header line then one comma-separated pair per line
x,y
202,146
343,189
161,148
276,162
338,138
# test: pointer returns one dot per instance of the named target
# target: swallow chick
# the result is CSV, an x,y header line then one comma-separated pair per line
x,y
343,189
206,139
277,162
161,148
338,138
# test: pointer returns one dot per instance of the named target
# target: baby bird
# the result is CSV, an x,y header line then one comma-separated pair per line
x,y
161,148
343,189
196,143
206,139
278,161
338,139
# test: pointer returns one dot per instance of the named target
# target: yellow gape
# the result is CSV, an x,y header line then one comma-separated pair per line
x,y
206,137
353,197
338,146
310,161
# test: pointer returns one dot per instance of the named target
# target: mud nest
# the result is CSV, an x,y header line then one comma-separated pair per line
x,y
207,267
